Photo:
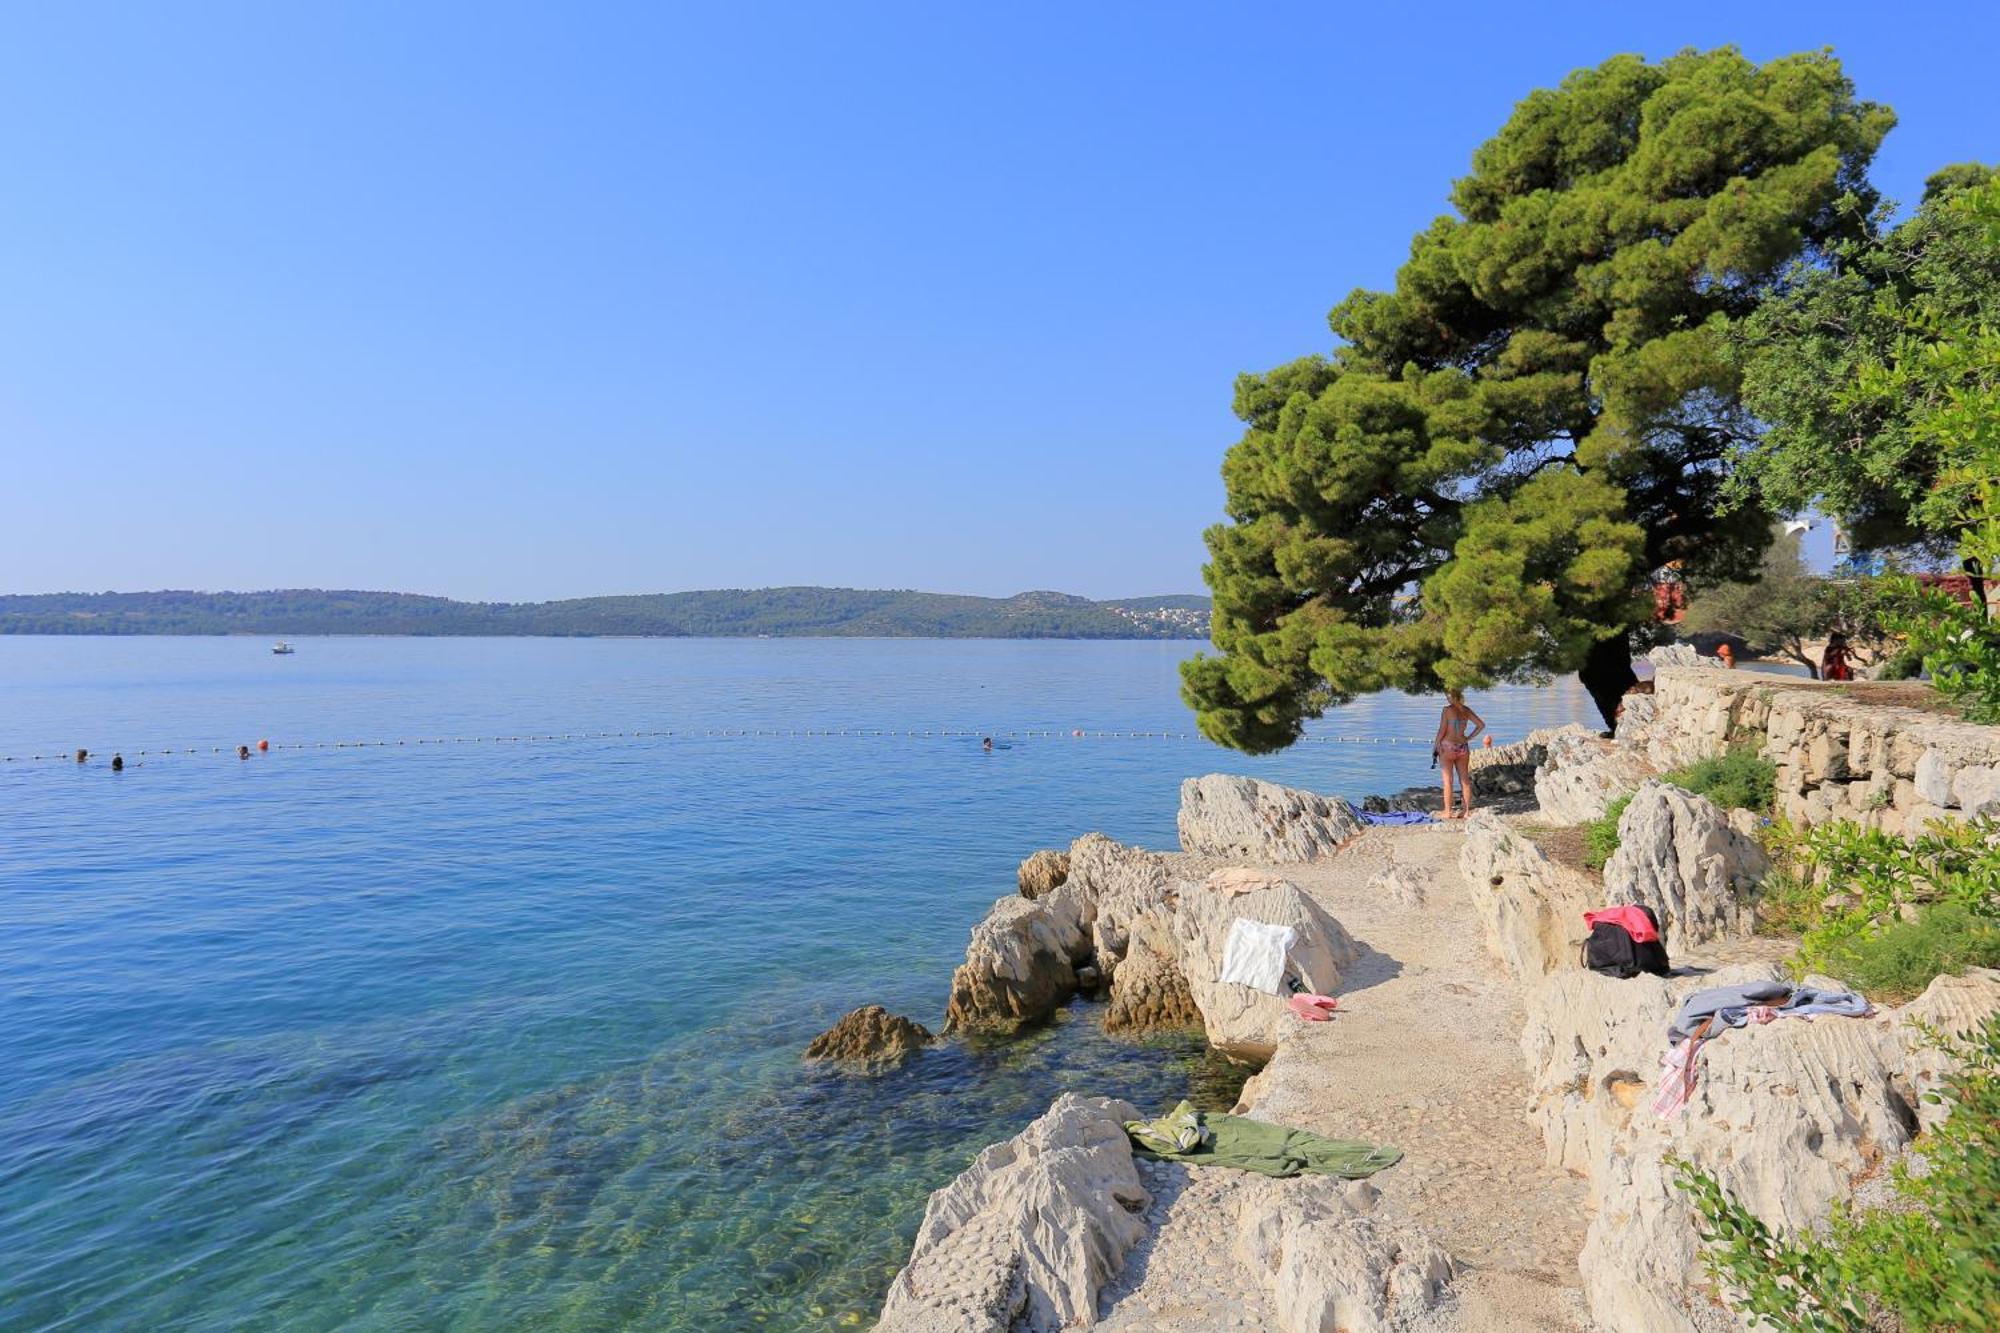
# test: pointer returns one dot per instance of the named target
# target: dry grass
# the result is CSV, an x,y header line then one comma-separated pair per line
x,y
1898,694
1563,844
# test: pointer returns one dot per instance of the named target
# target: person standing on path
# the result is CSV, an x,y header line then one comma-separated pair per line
x,y
1457,726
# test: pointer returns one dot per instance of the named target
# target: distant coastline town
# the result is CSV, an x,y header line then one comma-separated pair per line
x,y
721,613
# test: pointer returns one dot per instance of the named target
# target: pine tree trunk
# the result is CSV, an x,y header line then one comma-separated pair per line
x,y
1607,673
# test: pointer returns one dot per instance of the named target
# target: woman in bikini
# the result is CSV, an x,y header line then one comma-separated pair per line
x,y
1457,726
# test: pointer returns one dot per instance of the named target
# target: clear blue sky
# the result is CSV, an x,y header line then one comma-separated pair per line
x,y
517,302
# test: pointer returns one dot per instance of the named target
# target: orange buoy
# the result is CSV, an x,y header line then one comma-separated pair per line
x,y
263,745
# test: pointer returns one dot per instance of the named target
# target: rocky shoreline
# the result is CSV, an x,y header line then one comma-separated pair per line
x,y
1537,1188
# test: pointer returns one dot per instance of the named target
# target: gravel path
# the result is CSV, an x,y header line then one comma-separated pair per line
x,y
1422,1054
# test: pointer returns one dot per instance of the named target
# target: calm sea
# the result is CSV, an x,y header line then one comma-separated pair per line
x,y
506,1034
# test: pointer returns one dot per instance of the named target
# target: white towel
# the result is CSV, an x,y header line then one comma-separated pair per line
x,y
1254,954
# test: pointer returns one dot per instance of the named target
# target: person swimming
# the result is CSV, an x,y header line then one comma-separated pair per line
x,y
987,745
1458,725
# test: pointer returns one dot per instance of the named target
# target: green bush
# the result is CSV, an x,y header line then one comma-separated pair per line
x,y
1931,1259
1738,780
1600,836
1852,893
1895,962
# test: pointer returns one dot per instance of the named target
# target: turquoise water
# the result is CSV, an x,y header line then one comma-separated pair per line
x,y
506,1035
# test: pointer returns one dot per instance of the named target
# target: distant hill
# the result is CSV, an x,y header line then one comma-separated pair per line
x,y
722,613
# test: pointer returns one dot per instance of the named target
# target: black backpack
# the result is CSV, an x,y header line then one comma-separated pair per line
x,y
1612,950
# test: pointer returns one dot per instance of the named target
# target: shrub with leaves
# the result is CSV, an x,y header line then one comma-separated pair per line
x,y
1885,914
1737,780
1600,836
1931,1260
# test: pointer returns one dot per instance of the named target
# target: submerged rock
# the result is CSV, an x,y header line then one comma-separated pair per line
x,y
1025,1239
1042,872
870,1038
1243,818
1678,855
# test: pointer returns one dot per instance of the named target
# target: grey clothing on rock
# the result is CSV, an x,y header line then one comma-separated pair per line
x,y
1808,1000
1729,1004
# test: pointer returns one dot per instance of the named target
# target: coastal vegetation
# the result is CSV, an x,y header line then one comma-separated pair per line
x,y
1668,308
1926,1260
1886,913
725,613
1738,780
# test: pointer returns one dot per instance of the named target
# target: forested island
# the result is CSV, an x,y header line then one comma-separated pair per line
x,y
721,613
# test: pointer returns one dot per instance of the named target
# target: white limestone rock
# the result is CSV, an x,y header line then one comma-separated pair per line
x,y
1679,655
1531,907
1020,964
1026,1237
1245,819
1243,1023
1328,1265
1115,886
1149,992
1953,1005
1790,1117
1636,715
1679,854
1582,774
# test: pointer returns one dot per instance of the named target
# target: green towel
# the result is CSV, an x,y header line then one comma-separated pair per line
x,y
1178,1131
1254,1145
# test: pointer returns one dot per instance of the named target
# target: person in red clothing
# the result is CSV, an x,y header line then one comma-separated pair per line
x,y
1833,664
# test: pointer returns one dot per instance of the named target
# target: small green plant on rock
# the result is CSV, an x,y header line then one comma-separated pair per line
x,y
1737,780
1930,1260
1600,835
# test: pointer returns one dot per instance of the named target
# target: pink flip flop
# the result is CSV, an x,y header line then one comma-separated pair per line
x,y
1312,1008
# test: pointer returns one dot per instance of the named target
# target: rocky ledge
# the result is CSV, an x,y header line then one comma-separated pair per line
x,y
1029,1238
1261,822
1149,927
1059,1227
1024,1240
1791,1117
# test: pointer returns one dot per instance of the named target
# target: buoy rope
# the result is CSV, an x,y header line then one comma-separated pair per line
x,y
103,755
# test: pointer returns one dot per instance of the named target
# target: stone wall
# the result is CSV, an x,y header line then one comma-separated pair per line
x,y
1844,751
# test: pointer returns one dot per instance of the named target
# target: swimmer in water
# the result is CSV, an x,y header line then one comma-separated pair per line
x,y
242,752
987,745
117,763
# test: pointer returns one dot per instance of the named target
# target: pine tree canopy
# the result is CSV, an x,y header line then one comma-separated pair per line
x,y
1477,482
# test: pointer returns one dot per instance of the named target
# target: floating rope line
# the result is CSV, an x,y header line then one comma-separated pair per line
x,y
711,733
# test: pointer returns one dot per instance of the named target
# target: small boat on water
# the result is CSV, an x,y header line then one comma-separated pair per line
x,y
283,649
